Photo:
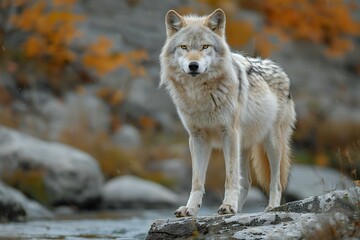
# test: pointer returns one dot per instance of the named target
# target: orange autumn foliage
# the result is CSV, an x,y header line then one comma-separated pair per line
x,y
326,22
52,27
100,58
51,32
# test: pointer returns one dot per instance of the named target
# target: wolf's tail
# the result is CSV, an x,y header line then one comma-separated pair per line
x,y
261,166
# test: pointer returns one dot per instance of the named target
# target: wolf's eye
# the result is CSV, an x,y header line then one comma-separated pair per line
x,y
183,47
206,46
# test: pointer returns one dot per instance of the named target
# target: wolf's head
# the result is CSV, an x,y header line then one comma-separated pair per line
x,y
195,45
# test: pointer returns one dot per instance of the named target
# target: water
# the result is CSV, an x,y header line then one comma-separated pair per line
x,y
131,224
101,225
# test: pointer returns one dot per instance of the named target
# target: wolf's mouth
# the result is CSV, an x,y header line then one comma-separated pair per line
x,y
194,74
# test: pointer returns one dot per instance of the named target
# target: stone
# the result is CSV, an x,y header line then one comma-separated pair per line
x,y
295,220
52,173
15,206
86,108
45,115
133,192
177,171
324,85
127,137
10,209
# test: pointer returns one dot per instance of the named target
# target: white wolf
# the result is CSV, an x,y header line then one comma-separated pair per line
x,y
225,100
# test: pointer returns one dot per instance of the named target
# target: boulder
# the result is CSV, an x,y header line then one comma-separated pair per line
x,y
134,192
51,173
318,82
74,111
310,180
41,114
332,216
177,171
15,206
127,137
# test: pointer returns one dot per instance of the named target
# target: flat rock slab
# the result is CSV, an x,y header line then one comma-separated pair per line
x,y
337,209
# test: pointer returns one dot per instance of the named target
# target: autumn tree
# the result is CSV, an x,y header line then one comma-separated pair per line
x,y
329,23
48,29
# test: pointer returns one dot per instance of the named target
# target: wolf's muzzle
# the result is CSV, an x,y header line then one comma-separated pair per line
x,y
193,67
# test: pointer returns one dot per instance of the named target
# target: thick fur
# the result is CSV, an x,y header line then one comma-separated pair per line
x,y
225,100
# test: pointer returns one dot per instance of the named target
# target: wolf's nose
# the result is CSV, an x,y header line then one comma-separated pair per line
x,y
193,66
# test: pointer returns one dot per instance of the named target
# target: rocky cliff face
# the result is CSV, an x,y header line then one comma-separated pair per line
x,y
333,215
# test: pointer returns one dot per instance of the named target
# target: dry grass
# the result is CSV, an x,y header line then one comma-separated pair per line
x,y
336,230
113,160
30,182
339,228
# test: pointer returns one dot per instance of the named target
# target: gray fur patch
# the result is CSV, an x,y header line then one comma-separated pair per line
x,y
238,74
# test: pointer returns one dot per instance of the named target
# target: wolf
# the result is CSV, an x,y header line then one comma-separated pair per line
x,y
226,100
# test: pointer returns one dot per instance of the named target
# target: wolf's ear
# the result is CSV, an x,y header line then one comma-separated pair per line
x,y
216,22
174,22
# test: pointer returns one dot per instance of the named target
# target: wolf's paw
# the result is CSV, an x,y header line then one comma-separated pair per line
x,y
185,212
268,209
226,209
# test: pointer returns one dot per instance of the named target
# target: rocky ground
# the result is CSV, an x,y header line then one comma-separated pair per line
x,y
334,215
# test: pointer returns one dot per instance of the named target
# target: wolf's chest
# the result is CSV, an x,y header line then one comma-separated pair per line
x,y
205,107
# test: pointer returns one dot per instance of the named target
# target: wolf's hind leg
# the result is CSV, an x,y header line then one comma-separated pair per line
x,y
245,178
200,150
273,149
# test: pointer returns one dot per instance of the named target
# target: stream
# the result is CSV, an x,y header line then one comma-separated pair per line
x,y
132,224
117,224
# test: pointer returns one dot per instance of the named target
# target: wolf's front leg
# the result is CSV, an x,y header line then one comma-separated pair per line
x,y
231,148
200,150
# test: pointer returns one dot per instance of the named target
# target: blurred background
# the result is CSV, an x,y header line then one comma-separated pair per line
x,y
85,73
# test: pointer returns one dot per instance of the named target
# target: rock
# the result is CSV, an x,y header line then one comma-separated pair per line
x,y
128,137
14,206
339,200
42,114
145,93
10,209
177,171
86,108
76,110
51,173
323,85
133,192
295,220
309,180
